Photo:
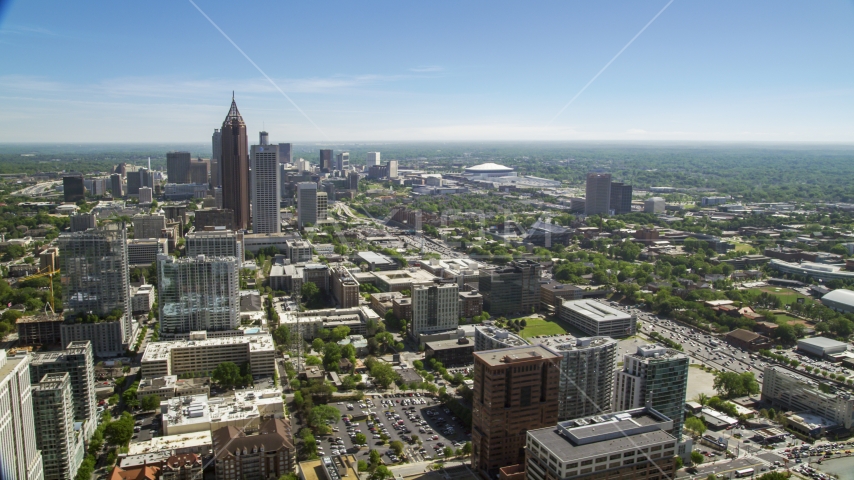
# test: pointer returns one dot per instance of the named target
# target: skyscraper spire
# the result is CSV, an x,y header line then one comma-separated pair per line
x,y
234,166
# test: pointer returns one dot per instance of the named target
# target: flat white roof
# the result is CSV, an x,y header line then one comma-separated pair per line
x,y
595,310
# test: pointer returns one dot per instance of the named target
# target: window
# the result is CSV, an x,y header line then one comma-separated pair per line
x,y
585,470
586,462
601,459
601,467
614,457
629,454
628,462
657,447
572,465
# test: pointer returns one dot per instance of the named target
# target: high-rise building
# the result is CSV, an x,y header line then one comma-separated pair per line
x,y
235,167
95,275
216,158
322,205
435,308
306,203
654,205
325,160
598,196
198,293
373,159
216,243
621,198
392,169
200,171
343,161
655,374
345,287
515,390
20,458
146,195
266,189
285,153
78,361
116,186
148,226
62,447
178,167
353,181
597,319
141,177
586,376
214,217
72,188
625,445
80,222
511,289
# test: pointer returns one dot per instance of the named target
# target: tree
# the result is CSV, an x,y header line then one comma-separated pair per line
x,y
320,414
113,400
774,476
119,432
317,345
289,476
380,473
397,447
311,360
680,463
150,402
697,457
467,448
282,335
331,356
448,451
702,399
309,443
299,401
227,374
363,466
311,293
383,374
340,333
732,384
695,426
361,439
375,457
129,397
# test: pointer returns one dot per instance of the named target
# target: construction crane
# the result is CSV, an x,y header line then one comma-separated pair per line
x,y
41,273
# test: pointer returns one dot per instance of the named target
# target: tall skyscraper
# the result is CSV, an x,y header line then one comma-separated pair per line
x,y
216,158
285,155
148,226
78,361
198,293
178,167
598,196
343,161
266,189
373,159
72,188
94,267
61,446
655,374
200,171
216,243
20,458
353,180
587,376
325,160
435,308
322,205
235,167
515,390
621,198
306,203
392,169
511,289
116,185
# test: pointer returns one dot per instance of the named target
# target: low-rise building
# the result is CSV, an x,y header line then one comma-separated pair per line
x,y
39,329
451,352
203,354
748,340
246,410
143,252
597,319
345,288
286,278
170,386
791,391
471,304
821,346
554,293
268,454
142,298
310,322
376,261
493,338
624,445
336,467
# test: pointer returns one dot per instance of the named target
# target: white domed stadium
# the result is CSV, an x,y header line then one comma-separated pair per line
x,y
490,170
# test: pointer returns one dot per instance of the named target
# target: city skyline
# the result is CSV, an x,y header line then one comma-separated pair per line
x,y
698,72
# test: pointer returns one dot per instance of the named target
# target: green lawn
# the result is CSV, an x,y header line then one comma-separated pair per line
x,y
785,317
742,247
537,326
786,295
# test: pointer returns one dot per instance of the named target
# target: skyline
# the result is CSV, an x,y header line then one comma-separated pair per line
x,y
722,72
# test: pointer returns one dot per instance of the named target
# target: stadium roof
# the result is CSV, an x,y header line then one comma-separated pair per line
x,y
488,167
842,296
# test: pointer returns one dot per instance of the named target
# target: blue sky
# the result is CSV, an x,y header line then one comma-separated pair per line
x,y
158,71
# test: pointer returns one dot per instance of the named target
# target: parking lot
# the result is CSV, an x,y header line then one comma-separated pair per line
x,y
399,416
